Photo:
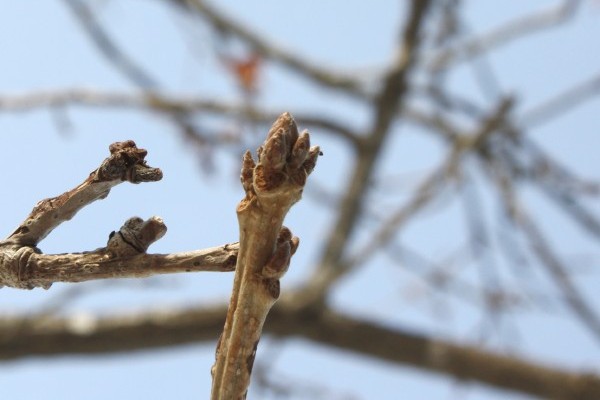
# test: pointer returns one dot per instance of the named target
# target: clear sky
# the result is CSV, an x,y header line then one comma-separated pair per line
x,y
45,152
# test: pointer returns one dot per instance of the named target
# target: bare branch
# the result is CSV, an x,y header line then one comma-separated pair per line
x,y
561,103
272,186
132,71
515,29
562,186
389,100
462,362
42,270
126,163
162,103
315,72
23,266
573,296
88,334
422,197
90,25
543,251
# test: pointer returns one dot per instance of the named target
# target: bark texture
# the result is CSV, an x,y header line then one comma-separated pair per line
x,y
272,186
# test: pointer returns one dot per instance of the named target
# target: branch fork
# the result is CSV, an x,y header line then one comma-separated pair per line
x,y
24,266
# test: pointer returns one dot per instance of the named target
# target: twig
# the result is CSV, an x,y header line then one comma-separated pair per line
x,y
424,194
126,163
542,249
157,101
272,186
135,73
430,186
23,266
92,27
421,198
313,71
561,185
561,103
515,29
573,296
387,104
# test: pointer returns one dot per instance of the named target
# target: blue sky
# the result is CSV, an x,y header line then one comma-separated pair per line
x,y
43,48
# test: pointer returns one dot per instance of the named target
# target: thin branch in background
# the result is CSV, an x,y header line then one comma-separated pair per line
x,y
474,216
512,249
493,296
573,295
422,196
561,185
62,122
390,98
485,77
551,171
504,34
516,255
158,102
313,71
445,103
541,248
561,103
136,74
111,52
448,168
578,212
448,26
435,274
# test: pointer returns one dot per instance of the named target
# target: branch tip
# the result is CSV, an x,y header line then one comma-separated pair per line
x,y
272,185
126,163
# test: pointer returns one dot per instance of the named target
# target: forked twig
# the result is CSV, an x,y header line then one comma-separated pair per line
x,y
272,186
23,266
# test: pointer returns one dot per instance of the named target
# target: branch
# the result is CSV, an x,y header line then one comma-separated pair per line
x,y
113,54
313,71
163,103
423,194
87,334
515,29
387,103
42,270
125,64
543,250
561,185
23,266
126,163
272,186
462,362
573,296
561,103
